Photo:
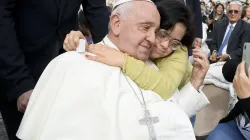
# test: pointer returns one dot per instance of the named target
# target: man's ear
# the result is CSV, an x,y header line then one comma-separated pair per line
x,y
115,24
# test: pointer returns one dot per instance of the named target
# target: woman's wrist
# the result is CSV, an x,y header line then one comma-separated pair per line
x,y
122,60
195,83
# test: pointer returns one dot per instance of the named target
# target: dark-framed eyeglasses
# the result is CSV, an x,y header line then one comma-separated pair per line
x,y
163,35
233,11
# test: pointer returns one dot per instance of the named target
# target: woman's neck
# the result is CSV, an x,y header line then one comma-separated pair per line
x,y
217,16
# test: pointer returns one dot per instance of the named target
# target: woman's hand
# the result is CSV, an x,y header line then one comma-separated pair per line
x,y
106,55
71,41
242,82
201,65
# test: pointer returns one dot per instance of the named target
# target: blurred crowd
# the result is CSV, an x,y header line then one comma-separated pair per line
x,y
215,12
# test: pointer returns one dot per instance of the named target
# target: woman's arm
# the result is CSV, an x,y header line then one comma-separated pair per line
x,y
166,80
186,78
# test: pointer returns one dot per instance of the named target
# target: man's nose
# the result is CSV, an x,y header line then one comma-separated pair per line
x,y
151,37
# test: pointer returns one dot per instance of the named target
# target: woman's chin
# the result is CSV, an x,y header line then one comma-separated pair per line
x,y
153,56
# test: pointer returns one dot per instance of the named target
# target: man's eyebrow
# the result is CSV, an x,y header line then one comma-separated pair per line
x,y
146,22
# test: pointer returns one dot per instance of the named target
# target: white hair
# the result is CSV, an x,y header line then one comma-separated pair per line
x,y
122,10
233,3
125,10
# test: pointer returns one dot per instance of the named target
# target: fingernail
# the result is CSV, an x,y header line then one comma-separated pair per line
x,y
86,55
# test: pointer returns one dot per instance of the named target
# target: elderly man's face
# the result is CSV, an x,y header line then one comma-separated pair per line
x,y
233,13
137,31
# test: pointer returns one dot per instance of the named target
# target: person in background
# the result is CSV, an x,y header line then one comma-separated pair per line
x,y
204,17
245,4
84,27
211,8
235,126
216,17
230,36
246,14
109,9
225,6
209,5
194,6
204,45
203,6
31,35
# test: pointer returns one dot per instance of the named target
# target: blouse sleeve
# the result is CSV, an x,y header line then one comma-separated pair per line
x,y
163,81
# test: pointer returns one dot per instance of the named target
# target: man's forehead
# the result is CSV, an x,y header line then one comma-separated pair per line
x,y
146,22
145,16
234,6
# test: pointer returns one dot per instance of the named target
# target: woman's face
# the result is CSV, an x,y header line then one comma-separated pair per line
x,y
248,12
219,10
167,41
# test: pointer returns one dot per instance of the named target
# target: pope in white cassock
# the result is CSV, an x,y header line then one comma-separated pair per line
x,y
79,99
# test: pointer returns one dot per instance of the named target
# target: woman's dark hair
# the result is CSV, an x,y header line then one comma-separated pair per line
x,y
82,19
213,4
244,10
219,4
172,12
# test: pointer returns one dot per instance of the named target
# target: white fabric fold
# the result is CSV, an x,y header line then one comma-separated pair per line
x,y
191,102
214,76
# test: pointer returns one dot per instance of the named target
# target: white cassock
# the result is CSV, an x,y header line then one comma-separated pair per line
x,y
79,99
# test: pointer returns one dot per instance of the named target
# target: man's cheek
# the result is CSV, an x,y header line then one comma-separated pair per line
x,y
144,50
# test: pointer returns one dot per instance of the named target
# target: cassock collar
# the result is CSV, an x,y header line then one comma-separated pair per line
x,y
107,41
